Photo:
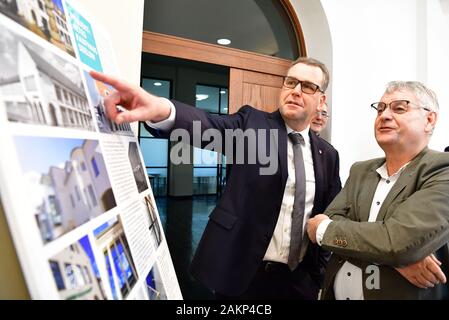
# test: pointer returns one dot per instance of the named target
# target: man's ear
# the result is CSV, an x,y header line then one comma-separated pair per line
x,y
323,98
432,118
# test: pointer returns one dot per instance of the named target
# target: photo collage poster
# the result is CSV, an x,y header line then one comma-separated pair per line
x,y
73,183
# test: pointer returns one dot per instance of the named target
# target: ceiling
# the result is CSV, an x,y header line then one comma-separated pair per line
x,y
260,26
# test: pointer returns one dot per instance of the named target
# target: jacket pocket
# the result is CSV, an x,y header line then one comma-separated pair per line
x,y
223,218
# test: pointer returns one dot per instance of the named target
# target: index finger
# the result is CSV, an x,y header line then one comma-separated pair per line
x,y
118,84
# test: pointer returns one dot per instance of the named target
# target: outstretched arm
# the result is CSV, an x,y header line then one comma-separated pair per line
x,y
136,103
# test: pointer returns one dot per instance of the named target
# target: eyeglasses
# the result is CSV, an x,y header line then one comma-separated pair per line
x,y
323,114
306,86
396,106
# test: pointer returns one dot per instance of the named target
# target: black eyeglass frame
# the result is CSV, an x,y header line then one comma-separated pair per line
x,y
324,114
376,105
314,86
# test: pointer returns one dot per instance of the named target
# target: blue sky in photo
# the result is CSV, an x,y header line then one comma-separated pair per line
x,y
58,3
105,226
94,95
84,242
39,153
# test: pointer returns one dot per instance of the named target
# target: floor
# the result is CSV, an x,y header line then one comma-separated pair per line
x,y
184,220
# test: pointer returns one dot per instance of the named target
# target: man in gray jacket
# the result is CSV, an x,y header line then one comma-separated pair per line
x,y
388,228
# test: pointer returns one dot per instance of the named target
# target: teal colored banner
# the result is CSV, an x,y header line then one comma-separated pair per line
x,y
84,39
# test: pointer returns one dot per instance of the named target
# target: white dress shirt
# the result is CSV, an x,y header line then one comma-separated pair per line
x,y
348,284
279,246
166,124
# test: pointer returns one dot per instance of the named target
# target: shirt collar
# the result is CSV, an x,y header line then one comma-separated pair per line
x,y
383,172
304,133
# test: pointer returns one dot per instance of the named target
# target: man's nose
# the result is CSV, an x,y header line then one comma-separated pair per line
x,y
297,89
386,114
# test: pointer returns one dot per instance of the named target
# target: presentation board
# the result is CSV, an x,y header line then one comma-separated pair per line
x,y
73,184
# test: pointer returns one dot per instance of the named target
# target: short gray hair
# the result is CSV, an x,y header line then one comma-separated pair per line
x,y
426,96
315,63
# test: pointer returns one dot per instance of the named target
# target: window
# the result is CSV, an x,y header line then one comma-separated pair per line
x,y
57,275
30,83
58,92
72,201
110,276
95,167
92,195
208,173
83,165
70,275
77,192
155,150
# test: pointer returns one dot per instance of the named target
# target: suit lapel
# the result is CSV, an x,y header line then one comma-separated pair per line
x,y
403,181
369,186
276,122
318,164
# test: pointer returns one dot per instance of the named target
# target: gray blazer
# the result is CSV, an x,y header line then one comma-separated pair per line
x,y
412,223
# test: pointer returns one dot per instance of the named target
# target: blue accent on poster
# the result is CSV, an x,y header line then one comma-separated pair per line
x,y
84,39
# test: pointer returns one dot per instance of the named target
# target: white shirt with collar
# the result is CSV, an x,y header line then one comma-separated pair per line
x,y
279,246
348,283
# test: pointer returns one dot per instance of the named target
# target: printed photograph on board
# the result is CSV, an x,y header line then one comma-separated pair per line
x,y
155,227
76,273
154,285
111,240
39,87
67,182
46,18
97,92
137,167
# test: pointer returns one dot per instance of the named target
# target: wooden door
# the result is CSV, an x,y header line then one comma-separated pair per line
x,y
254,79
260,90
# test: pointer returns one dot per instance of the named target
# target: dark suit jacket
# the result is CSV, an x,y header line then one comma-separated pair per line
x,y
412,223
240,227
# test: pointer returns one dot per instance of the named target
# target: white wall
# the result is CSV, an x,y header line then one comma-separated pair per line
x,y
371,43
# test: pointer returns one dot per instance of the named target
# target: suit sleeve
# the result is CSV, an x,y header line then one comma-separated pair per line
x,y
333,190
187,117
417,226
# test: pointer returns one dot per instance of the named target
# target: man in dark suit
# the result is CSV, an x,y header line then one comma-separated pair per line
x,y
245,249
388,228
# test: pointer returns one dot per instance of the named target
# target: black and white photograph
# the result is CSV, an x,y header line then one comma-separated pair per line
x,y
137,167
39,87
155,227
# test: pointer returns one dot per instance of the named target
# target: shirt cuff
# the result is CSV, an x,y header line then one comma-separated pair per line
x,y
321,230
167,124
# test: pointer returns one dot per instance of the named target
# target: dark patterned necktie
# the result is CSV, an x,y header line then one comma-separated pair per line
x,y
299,203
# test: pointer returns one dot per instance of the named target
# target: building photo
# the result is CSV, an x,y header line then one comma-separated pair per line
x,y
67,181
76,273
155,227
39,87
154,284
111,240
46,18
137,167
97,92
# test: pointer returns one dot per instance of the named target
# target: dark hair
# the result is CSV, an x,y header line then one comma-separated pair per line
x,y
315,63
446,149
